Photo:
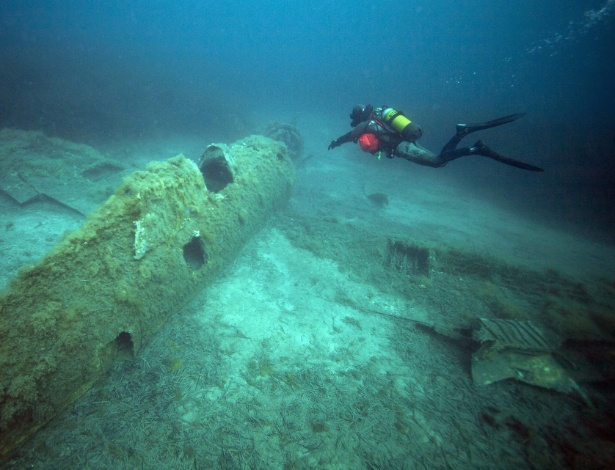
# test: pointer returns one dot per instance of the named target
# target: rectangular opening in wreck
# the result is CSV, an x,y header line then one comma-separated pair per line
x,y
407,258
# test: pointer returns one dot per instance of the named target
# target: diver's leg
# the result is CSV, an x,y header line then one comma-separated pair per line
x,y
452,143
454,154
415,153
479,148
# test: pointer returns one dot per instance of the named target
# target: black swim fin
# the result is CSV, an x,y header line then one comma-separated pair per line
x,y
479,148
465,129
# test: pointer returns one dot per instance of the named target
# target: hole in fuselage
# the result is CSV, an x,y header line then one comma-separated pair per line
x,y
194,253
215,165
125,346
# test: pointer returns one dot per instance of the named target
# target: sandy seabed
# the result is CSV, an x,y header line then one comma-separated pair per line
x,y
305,353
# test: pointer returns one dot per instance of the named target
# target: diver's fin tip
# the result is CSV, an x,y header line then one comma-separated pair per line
x,y
465,129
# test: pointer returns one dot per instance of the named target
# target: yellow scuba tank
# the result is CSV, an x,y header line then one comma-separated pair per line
x,y
401,124
395,119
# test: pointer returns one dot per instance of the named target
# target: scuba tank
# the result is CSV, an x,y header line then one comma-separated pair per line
x,y
400,124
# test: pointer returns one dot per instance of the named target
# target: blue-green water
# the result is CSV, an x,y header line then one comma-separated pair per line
x,y
305,353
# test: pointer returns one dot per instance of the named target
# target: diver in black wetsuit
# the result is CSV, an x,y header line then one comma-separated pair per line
x,y
385,130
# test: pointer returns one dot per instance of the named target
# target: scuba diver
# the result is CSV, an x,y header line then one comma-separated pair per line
x,y
386,130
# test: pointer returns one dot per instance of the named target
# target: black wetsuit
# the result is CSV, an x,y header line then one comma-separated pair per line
x,y
394,144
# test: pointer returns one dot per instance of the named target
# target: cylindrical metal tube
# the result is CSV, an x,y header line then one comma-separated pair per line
x,y
109,286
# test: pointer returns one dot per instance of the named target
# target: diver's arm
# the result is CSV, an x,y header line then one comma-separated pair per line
x,y
351,136
341,140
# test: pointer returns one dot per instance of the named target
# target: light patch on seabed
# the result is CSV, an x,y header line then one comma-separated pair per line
x,y
287,297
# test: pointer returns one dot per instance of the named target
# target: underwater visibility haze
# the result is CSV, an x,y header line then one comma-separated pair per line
x,y
98,73
342,335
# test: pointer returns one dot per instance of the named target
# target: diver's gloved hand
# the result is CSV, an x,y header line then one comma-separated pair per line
x,y
333,144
